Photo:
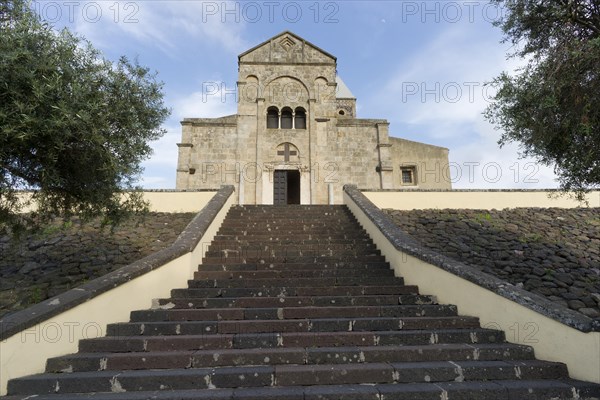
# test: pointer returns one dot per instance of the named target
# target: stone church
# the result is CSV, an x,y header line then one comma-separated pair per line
x,y
296,137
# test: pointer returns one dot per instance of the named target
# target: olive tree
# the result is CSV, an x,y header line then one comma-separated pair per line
x,y
551,106
74,127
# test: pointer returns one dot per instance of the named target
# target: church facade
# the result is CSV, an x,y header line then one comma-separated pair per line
x,y
296,138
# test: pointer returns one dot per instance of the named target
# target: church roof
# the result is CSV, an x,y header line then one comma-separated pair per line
x,y
288,34
343,92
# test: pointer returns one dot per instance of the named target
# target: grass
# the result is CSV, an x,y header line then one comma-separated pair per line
x,y
531,238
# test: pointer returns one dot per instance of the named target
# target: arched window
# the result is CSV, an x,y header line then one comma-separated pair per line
x,y
286,118
272,118
300,118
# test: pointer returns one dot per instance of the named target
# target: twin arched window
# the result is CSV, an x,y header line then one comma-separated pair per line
x,y
273,118
286,119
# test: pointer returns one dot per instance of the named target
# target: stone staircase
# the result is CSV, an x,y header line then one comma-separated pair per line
x,y
296,303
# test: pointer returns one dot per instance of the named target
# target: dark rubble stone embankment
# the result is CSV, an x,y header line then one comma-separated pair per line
x,y
552,252
65,255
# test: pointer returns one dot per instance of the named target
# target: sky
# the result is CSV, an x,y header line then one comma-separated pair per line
x,y
422,65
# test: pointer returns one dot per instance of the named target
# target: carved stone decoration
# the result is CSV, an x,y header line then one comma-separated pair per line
x,y
287,43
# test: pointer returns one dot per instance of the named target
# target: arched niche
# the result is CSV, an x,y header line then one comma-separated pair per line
x,y
286,91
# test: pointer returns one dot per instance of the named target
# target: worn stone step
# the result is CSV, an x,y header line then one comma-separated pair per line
x,y
291,325
315,249
292,291
120,344
472,390
235,258
290,253
271,239
298,282
222,314
285,223
274,237
243,258
324,230
305,301
305,214
252,241
297,224
302,273
341,265
286,375
85,362
292,209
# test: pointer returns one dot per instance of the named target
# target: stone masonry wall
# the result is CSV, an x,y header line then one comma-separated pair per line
x,y
63,256
552,252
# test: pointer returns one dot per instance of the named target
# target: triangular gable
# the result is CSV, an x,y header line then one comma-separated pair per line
x,y
287,47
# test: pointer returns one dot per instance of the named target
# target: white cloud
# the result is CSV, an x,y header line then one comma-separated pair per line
x,y
214,101
161,166
445,80
481,163
444,100
155,182
159,169
160,24
165,149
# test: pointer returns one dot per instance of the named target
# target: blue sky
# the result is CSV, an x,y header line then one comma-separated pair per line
x,y
420,64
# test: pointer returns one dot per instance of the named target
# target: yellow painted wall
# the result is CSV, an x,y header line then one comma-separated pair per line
x,y
550,339
410,200
26,352
174,202
170,201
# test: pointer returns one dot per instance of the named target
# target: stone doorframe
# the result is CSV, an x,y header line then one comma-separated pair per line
x,y
267,180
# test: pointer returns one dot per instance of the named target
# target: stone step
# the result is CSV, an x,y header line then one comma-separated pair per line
x,y
303,273
292,208
223,314
289,253
290,212
291,325
298,282
290,235
292,291
86,362
316,249
290,228
250,259
305,301
226,242
341,265
261,237
491,390
266,237
286,375
145,343
336,220
236,238
472,390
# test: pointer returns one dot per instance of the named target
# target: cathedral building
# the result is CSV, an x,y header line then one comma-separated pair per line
x,y
296,137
